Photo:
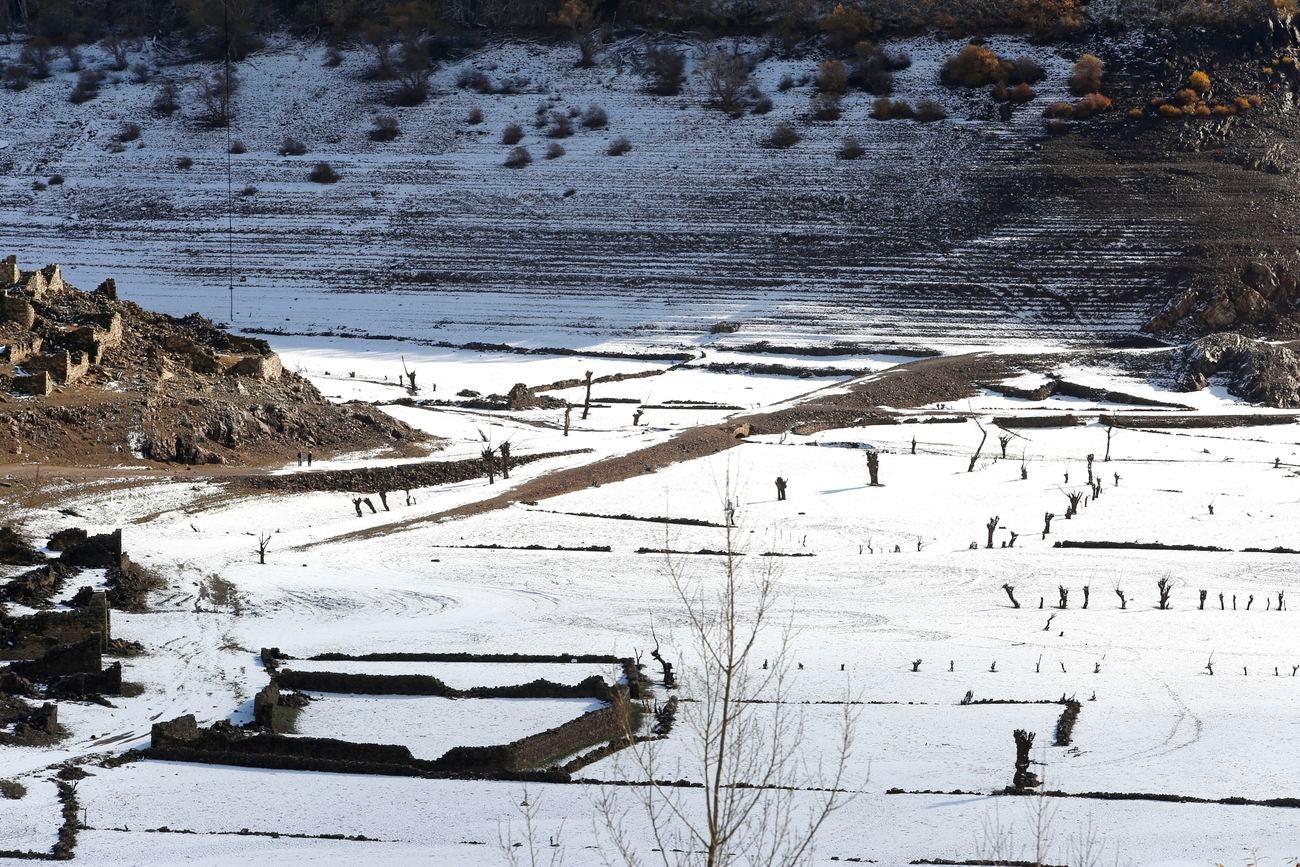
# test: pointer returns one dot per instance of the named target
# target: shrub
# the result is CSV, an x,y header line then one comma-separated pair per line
x,y
513,134
1223,110
129,132
249,190
1059,110
832,76
554,150
1199,82
1135,113
323,173
1000,92
929,111
885,108
167,100
973,66
1021,93
1186,96
292,147
237,147
1086,76
665,66
74,58
412,89
1093,103
619,146
762,105
595,117
561,126
56,180
141,72
217,92
333,57
38,186
385,128
87,87
845,26
16,77
1026,70
38,57
786,83
184,163
12,790
1254,100
826,107
783,136
1056,126
475,80
850,149
896,61
475,116
872,72
1168,110
518,158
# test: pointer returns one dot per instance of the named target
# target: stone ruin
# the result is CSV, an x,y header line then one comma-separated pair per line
x,y
39,350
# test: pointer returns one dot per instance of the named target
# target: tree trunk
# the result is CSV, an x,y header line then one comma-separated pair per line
x,y
1011,594
586,404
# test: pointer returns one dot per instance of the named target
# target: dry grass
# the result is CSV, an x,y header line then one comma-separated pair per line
x,y
1086,76
973,66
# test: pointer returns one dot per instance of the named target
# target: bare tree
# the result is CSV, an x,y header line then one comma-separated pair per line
x,y
1011,594
489,458
586,403
873,467
992,527
1164,586
726,77
1123,600
263,542
1047,523
410,376
504,448
984,435
746,811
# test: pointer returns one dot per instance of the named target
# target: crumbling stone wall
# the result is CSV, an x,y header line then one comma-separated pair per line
x,y
79,658
20,349
31,636
16,308
64,365
9,273
39,383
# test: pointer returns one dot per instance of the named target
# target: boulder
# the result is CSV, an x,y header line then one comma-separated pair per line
x,y
1253,369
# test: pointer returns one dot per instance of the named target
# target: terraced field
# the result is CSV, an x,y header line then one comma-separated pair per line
x,y
961,232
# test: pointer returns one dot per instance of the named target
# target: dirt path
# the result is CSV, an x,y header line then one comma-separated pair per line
x,y
917,383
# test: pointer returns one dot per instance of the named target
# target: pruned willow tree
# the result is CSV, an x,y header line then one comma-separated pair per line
x,y
762,800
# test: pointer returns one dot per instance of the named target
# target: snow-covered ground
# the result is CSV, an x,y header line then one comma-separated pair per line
x,y
892,579
943,234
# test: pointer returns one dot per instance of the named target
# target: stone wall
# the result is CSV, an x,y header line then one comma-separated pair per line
x,y
80,658
267,367
63,365
31,636
39,383
9,273
19,349
16,308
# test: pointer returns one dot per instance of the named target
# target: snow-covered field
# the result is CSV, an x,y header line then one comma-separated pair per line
x,y
893,578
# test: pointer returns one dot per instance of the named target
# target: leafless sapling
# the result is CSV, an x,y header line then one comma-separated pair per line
x,y
1209,664
670,680
1204,593
992,527
1123,599
1250,600
489,458
1011,594
1050,618
1064,593
1091,458
1110,428
916,665
1014,537
1047,523
984,435
586,403
356,504
1075,497
1086,592
568,414
1281,599
1004,440
263,542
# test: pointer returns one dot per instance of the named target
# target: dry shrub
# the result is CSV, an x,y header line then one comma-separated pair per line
x,y
762,105
1086,76
333,57
973,66
249,190
292,147
845,26
184,163
1135,113
474,79
128,132
619,146
475,116
892,109
554,150
1223,110
141,72
1093,103
1199,82
518,158
783,136
12,790
1168,110
1186,96
1022,93
513,134
665,67
872,71
851,149
786,83
1059,111
929,111
826,107
1201,110
595,117
56,180
1056,126
39,186
833,76
561,126
1000,92
1026,70
323,173
1255,100
167,100
385,128
237,147
87,87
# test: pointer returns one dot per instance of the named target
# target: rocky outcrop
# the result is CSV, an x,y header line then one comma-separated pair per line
x,y
1258,298
1254,370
